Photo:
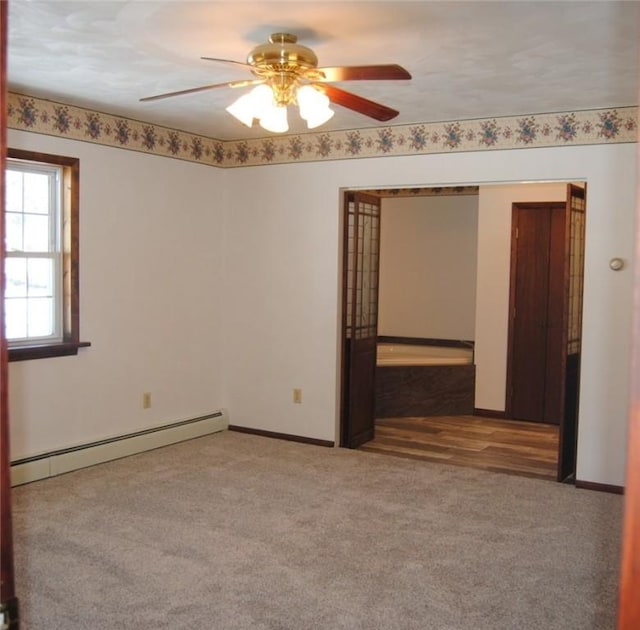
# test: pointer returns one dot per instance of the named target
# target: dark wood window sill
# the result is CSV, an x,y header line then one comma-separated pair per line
x,y
45,351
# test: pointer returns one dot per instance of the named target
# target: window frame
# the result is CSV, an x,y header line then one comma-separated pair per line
x,y
25,256
70,261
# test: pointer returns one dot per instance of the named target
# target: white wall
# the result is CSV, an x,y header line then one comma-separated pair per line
x,y
428,252
151,254
218,289
492,308
283,274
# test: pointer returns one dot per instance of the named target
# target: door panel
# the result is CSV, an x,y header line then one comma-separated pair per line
x,y
528,369
360,317
576,223
556,317
537,315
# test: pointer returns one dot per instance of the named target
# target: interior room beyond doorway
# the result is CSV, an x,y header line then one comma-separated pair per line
x,y
445,266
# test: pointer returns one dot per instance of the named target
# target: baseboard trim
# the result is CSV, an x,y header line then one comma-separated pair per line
x,y
282,436
600,487
490,413
57,462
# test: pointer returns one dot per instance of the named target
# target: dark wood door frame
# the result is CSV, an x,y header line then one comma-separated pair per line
x,y
564,323
8,599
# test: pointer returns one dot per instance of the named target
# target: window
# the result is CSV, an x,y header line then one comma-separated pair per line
x,y
41,263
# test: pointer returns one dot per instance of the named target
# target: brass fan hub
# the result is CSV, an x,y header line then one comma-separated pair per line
x,y
282,54
283,63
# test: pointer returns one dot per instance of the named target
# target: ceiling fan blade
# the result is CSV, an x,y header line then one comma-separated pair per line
x,y
231,61
363,73
358,103
213,86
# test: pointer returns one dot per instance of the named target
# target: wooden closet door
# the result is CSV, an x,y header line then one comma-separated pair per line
x,y
537,312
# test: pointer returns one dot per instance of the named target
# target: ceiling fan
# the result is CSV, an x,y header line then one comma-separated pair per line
x,y
287,73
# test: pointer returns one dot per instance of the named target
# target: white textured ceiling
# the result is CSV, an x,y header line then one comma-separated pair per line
x,y
468,59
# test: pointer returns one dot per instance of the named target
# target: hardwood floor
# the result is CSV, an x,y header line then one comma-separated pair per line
x,y
519,448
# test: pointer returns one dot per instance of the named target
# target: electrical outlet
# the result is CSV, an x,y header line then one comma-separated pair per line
x,y
146,400
297,396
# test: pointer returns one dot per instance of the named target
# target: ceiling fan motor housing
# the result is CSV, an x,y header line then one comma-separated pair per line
x,y
282,50
283,62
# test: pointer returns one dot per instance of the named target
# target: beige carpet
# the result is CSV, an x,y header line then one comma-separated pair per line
x,y
235,531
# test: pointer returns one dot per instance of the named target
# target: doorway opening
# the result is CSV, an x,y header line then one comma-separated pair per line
x,y
492,349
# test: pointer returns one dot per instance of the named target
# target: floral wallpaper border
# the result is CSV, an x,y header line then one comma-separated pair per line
x,y
603,126
438,191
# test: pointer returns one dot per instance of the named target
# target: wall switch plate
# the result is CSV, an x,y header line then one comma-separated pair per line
x,y
146,400
297,396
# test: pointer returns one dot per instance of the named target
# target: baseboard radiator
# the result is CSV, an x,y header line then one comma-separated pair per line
x,y
68,459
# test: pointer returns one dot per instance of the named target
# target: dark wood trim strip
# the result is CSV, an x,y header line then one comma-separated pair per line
x,y
490,413
64,349
36,156
8,597
427,341
600,487
282,436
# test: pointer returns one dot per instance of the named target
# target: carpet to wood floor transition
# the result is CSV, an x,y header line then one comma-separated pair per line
x,y
518,448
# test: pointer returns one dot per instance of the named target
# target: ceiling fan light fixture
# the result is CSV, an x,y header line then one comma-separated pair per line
x,y
260,103
243,109
287,73
314,106
274,119
252,105
263,98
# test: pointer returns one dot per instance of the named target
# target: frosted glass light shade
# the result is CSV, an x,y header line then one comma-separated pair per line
x,y
314,106
243,109
260,104
252,104
319,117
262,96
275,119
